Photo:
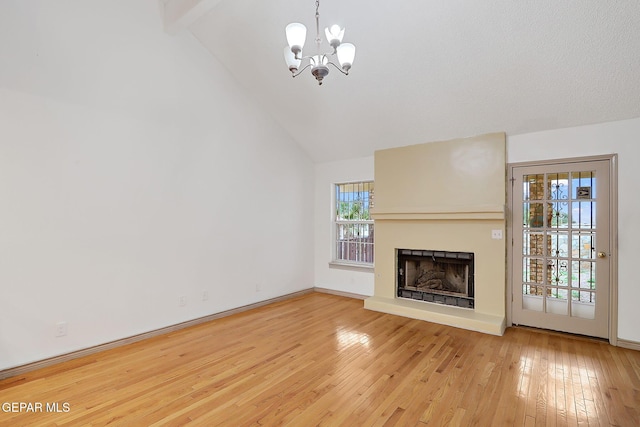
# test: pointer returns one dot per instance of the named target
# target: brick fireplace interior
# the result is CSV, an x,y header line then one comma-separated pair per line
x,y
437,206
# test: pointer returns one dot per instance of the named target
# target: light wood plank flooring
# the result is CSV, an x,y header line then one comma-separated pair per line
x,y
322,359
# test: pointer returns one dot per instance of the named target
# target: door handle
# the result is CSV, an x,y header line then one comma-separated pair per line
x,y
602,254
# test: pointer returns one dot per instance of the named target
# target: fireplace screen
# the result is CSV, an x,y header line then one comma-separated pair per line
x,y
435,276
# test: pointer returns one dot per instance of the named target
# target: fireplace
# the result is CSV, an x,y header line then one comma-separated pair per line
x,y
416,223
440,277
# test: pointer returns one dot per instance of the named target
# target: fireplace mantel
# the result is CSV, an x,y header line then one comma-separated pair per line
x,y
441,212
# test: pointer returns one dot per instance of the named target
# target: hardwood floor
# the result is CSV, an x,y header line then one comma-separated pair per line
x,y
322,359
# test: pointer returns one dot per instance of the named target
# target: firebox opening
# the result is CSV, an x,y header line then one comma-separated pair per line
x,y
440,277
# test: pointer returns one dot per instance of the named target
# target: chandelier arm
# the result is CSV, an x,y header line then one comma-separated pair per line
x,y
300,72
346,73
302,58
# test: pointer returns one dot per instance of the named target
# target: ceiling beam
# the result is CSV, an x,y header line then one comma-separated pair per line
x,y
180,14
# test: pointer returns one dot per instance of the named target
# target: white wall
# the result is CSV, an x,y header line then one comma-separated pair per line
x,y
134,170
341,278
620,137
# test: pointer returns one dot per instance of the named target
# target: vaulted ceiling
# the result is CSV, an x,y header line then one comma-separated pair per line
x,y
429,70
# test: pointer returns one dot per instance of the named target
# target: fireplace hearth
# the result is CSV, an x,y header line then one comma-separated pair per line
x,y
440,277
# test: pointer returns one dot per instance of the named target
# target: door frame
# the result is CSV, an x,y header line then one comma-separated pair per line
x,y
613,233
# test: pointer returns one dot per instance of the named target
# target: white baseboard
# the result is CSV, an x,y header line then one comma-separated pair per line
x,y
631,345
341,293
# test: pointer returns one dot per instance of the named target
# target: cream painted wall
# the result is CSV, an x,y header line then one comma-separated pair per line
x,y
449,176
130,177
340,278
623,138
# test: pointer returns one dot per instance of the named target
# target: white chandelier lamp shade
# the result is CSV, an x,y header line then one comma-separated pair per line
x,y
296,35
291,60
346,54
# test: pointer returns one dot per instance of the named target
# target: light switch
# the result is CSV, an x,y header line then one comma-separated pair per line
x,y
496,234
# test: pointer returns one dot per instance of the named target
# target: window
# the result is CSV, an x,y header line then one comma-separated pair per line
x,y
353,223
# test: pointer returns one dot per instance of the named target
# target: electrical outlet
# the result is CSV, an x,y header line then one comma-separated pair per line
x,y
205,295
61,329
183,301
496,234
257,287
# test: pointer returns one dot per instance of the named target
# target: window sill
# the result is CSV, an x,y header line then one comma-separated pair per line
x,y
351,265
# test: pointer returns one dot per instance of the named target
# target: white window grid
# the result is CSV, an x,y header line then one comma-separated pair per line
x,y
354,228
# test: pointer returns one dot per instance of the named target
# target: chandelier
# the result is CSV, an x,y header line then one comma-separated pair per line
x,y
296,35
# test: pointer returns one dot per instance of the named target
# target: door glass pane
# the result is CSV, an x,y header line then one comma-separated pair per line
x,y
534,215
559,244
533,187
533,244
583,185
558,270
558,185
592,277
583,275
583,214
583,245
533,270
583,192
587,275
560,215
583,296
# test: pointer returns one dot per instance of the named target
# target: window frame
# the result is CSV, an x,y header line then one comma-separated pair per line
x,y
337,222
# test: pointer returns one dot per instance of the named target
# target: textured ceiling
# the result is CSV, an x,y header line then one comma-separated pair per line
x,y
434,70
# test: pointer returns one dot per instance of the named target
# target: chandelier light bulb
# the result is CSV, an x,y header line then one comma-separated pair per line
x,y
334,35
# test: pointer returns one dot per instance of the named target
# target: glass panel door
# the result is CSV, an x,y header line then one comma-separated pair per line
x,y
561,267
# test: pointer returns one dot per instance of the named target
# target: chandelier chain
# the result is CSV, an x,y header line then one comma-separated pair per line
x,y
318,39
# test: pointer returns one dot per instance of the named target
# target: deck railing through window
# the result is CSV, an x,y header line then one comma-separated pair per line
x,y
354,242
